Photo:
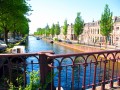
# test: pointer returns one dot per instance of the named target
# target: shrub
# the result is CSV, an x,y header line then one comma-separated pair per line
x,y
33,85
55,39
34,82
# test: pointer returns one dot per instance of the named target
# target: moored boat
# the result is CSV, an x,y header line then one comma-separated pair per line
x,y
18,49
51,41
38,38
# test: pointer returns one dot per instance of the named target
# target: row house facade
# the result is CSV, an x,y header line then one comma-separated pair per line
x,y
116,31
70,33
91,33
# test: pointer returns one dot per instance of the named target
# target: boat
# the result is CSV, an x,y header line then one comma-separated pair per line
x,y
51,41
38,38
18,49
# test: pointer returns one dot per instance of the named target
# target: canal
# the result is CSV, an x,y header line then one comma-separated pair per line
x,y
35,45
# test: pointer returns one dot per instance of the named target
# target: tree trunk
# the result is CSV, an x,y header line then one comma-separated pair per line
x,y
65,37
105,42
14,34
6,35
52,36
78,38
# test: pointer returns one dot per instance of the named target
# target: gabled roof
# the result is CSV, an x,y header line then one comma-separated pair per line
x,y
117,19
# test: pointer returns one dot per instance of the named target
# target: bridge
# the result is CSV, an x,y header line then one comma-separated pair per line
x,y
79,71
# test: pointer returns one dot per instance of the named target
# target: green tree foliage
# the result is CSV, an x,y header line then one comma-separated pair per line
x,y
57,29
65,28
20,26
47,31
40,31
34,83
12,12
78,26
52,30
106,23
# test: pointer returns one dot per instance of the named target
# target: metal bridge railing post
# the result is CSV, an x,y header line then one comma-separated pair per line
x,y
103,78
45,70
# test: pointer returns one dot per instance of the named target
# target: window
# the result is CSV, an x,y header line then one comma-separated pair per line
x,y
117,38
98,31
117,28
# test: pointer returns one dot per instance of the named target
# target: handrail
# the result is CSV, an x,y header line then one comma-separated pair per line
x,y
81,53
106,61
87,70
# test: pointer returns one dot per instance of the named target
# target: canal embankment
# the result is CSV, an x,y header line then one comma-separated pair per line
x,y
83,48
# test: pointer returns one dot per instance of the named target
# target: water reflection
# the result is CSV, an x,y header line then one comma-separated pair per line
x,y
41,45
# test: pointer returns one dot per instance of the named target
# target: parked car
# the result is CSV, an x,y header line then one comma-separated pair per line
x,y
12,40
3,45
68,41
18,38
59,40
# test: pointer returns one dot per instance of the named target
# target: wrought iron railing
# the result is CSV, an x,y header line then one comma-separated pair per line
x,y
86,70
13,66
69,71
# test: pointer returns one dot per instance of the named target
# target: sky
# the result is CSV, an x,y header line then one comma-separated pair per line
x,y
53,11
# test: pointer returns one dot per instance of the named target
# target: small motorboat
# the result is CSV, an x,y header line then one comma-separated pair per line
x,y
38,38
18,49
51,41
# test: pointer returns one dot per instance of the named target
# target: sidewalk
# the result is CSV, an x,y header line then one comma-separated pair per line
x,y
109,47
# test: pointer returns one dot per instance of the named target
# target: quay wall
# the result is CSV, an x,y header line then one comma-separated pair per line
x,y
83,48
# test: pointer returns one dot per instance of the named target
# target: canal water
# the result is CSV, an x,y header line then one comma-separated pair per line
x,y
35,45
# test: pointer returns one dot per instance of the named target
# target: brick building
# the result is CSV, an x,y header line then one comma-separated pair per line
x,y
91,33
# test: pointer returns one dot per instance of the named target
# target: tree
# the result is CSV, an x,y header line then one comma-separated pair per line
x,y
47,30
52,31
106,23
78,26
65,28
42,32
9,11
20,26
57,29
